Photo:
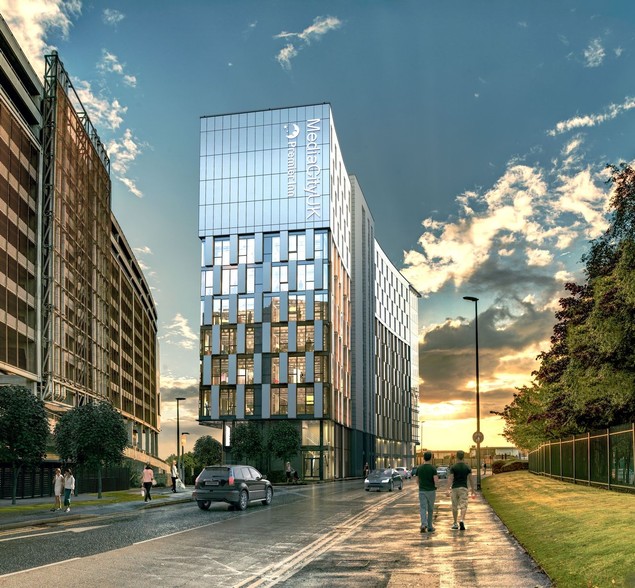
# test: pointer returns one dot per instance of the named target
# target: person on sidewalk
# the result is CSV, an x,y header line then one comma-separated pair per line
x,y
458,479
428,480
58,489
287,471
147,478
175,475
69,486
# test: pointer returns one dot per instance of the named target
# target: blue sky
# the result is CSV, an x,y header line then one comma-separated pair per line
x,y
478,129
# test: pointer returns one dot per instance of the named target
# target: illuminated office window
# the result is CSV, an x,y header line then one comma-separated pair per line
x,y
279,338
297,369
279,401
246,309
245,370
228,340
227,401
305,400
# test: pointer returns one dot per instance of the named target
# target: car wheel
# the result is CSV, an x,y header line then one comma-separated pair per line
x,y
367,489
204,504
390,486
268,496
243,500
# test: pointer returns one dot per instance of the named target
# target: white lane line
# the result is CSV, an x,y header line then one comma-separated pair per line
x,y
76,530
57,563
279,571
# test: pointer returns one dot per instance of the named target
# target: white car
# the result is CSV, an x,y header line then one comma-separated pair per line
x,y
404,473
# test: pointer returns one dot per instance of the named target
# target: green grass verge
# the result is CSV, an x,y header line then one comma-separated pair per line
x,y
6,508
582,537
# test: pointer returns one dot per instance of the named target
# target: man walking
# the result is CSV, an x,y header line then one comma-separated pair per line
x,y
458,479
174,476
428,480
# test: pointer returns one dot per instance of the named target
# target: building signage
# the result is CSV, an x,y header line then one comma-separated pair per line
x,y
312,166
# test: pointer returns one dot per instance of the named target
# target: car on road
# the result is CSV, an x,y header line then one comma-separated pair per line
x,y
405,473
237,485
384,479
442,472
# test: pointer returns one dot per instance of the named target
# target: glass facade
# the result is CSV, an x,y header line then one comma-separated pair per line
x,y
277,278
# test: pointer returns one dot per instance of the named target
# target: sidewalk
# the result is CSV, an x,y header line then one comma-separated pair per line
x,y
12,517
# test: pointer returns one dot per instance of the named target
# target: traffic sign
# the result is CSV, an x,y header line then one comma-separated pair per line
x,y
478,437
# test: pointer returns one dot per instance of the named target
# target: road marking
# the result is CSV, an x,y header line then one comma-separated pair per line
x,y
57,563
279,571
75,530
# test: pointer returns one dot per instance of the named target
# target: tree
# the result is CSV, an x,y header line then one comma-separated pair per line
x,y
247,442
207,451
283,440
24,430
92,435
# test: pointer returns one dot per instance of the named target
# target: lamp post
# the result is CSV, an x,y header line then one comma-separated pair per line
x,y
178,435
181,471
478,436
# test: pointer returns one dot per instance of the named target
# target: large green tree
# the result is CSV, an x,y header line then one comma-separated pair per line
x,y
247,443
284,440
92,435
24,430
207,451
586,379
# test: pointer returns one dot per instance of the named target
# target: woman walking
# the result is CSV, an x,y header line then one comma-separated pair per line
x,y
69,486
147,479
58,489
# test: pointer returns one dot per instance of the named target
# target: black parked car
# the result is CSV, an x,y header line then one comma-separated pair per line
x,y
238,485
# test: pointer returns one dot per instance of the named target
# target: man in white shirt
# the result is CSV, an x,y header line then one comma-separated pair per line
x,y
175,475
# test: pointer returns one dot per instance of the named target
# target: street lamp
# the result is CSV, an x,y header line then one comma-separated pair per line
x,y
478,436
178,435
181,471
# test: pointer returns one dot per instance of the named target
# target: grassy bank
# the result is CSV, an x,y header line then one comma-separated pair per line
x,y
582,537
87,499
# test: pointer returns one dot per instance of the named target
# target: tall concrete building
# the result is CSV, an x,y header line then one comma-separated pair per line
x,y
303,317
77,320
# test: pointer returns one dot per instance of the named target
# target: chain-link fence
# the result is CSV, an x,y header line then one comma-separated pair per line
x,y
599,458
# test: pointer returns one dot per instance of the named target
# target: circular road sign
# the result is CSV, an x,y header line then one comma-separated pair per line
x,y
478,437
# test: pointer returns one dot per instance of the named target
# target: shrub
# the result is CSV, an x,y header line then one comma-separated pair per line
x,y
497,466
514,466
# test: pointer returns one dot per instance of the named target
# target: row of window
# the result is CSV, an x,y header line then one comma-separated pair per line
x,y
304,340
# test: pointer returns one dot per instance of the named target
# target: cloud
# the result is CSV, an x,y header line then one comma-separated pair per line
x,y
31,20
123,153
591,120
179,333
321,25
110,63
112,17
145,250
102,112
594,54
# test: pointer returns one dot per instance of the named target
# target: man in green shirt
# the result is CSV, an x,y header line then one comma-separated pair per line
x,y
458,479
428,480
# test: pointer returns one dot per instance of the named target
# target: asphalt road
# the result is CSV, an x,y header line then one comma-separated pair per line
x,y
322,535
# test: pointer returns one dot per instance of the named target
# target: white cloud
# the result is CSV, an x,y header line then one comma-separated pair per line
x,y
31,20
594,54
145,250
538,257
101,111
123,153
110,63
321,25
112,17
591,120
179,333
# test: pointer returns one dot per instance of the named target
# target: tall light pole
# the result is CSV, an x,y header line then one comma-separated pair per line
x,y
181,471
178,435
478,436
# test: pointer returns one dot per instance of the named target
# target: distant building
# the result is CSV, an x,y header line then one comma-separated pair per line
x,y
304,318
77,321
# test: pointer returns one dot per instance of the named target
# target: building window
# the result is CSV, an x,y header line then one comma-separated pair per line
x,y
246,250
297,307
245,370
229,280
321,306
279,339
305,338
280,278
297,369
221,251
228,340
297,247
271,309
220,370
251,279
220,311
306,276
271,248
246,309
227,402
279,401
206,342
275,370
305,400
250,401
321,368
204,408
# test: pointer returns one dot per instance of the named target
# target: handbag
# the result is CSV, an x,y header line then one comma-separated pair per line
x,y
154,482
143,491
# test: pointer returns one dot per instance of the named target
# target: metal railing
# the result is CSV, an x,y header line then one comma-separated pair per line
x,y
603,458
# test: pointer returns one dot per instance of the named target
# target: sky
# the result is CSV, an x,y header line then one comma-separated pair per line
x,y
479,131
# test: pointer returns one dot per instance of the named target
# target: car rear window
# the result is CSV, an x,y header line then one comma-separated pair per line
x,y
216,472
